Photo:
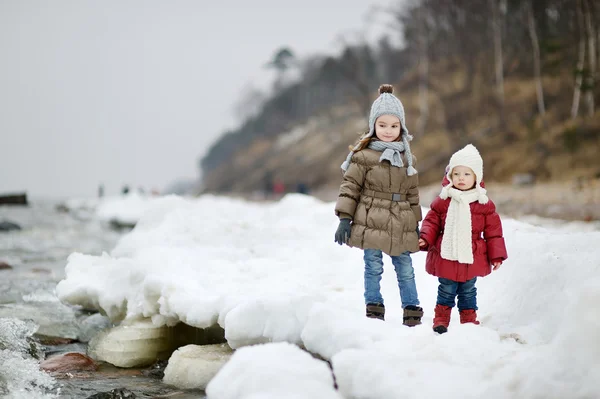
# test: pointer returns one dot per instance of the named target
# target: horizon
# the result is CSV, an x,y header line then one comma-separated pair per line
x,y
119,94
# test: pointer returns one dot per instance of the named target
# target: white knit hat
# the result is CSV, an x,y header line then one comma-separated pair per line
x,y
469,157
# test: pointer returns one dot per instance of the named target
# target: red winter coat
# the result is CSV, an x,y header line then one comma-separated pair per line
x,y
488,242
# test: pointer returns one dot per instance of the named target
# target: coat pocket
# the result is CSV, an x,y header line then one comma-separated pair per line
x,y
480,247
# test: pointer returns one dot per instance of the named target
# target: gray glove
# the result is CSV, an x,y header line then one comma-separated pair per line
x,y
342,233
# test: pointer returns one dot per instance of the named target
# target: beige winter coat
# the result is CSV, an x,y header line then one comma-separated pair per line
x,y
366,195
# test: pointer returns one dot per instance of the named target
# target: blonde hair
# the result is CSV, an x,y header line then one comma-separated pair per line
x,y
361,143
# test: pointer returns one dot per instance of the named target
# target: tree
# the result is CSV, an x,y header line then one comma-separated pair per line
x,y
423,66
591,39
249,103
282,62
498,12
580,61
358,68
536,59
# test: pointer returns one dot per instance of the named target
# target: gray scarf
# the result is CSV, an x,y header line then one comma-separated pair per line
x,y
390,151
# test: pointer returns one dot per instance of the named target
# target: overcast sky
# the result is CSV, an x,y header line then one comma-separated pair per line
x,y
133,92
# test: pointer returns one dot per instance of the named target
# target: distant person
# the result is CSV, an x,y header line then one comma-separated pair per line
x,y
462,234
302,188
125,190
100,190
268,185
278,188
378,205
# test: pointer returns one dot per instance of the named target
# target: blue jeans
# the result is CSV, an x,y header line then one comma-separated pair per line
x,y
466,292
404,273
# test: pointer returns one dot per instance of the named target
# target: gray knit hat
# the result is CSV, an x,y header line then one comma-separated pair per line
x,y
387,104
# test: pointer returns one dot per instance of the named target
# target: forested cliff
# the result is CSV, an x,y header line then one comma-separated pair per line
x,y
516,78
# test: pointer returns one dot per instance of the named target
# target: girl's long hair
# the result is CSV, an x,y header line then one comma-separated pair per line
x,y
363,141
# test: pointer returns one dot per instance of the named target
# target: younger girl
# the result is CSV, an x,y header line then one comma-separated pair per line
x,y
462,234
378,205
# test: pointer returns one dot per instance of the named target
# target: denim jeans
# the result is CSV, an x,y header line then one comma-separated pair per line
x,y
448,290
405,275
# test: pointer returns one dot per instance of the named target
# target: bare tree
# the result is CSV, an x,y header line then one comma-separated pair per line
x,y
250,102
497,8
536,59
580,61
591,39
423,67
358,68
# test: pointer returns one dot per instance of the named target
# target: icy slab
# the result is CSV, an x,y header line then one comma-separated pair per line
x,y
193,366
132,344
273,371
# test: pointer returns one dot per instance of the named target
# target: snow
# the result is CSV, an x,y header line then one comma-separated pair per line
x,y
271,273
274,371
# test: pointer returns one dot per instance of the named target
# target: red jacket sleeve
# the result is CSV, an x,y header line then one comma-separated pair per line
x,y
492,233
432,224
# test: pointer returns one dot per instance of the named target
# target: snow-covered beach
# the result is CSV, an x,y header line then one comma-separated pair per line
x,y
270,273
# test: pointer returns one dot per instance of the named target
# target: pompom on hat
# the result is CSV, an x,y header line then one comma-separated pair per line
x,y
468,156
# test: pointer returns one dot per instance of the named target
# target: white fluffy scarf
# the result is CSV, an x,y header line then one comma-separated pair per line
x,y
456,242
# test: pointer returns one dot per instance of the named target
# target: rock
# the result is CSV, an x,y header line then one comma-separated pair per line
x,y
120,225
53,341
91,326
132,344
157,370
63,208
74,347
69,362
9,226
523,179
13,199
193,366
39,270
5,266
119,393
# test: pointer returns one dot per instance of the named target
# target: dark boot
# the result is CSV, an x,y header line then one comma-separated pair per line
x,y
412,315
468,316
441,320
376,311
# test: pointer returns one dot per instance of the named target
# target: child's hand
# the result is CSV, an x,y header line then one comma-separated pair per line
x,y
422,243
496,265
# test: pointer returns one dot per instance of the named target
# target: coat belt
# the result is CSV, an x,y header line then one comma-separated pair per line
x,y
387,196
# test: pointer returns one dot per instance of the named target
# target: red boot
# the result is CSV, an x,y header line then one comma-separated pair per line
x,y
468,316
441,320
